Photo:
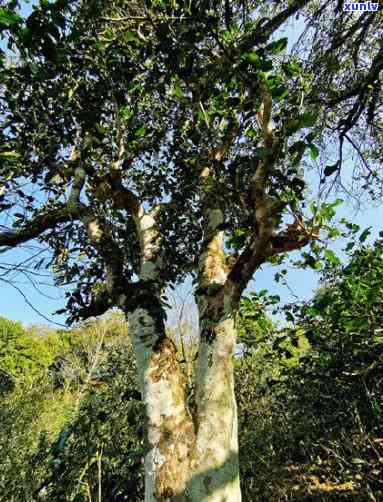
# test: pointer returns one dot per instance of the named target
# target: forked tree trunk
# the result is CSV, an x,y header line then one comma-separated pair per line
x,y
170,434
181,465
186,460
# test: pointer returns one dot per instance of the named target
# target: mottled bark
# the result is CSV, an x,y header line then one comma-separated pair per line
x,y
169,427
170,435
217,476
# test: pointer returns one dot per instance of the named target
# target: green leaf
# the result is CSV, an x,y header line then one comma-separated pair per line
x,y
9,18
274,299
297,150
130,36
251,133
333,232
314,151
311,262
306,120
298,147
350,245
277,46
313,207
140,131
358,461
332,257
177,91
312,311
26,36
101,129
10,155
336,203
126,113
289,316
237,239
365,234
251,57
266,65
291,69
280,92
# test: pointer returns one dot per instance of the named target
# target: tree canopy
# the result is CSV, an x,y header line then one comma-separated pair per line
x,y
110,109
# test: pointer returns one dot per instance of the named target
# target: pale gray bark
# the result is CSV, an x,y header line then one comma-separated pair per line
x,y
217,474
170,429
170,435
217,477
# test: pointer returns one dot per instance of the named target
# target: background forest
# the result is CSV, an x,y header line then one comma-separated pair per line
x,y
309,396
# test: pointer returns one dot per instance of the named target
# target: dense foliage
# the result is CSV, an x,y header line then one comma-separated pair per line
x,y
111,102
23,356
317,424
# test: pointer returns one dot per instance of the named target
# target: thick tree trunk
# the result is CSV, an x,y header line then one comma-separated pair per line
x,y
216,478
181,465
170,433
217,474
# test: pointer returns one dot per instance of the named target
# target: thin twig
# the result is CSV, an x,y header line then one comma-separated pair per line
x,y
31,305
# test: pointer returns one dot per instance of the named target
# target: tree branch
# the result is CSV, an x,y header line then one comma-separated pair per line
x,y
110,252
41,223
125,298
292,239
361,86
243,268
265,210
10,283
98,306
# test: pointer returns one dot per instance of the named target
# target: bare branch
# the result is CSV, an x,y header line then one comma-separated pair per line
x,y
30,304
361,86
263,207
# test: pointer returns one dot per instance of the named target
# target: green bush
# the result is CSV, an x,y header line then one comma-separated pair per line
x,y
314,430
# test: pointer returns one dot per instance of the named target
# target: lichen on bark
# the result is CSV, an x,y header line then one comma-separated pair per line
x,y
170,429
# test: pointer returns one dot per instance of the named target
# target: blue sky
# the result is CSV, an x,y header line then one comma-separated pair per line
x,y
302,283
